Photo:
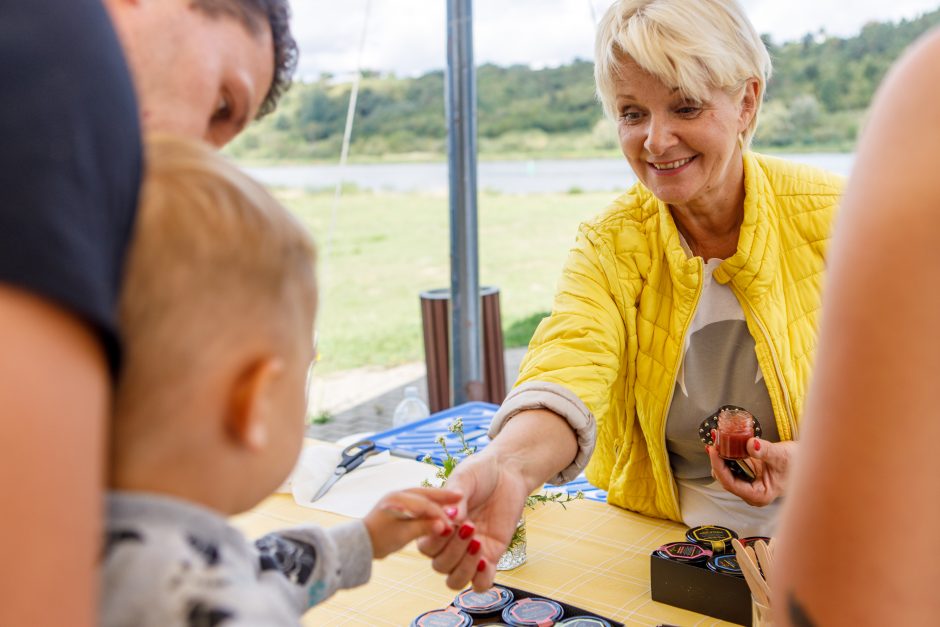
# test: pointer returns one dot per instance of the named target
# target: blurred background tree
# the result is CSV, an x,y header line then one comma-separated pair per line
x,y
816,100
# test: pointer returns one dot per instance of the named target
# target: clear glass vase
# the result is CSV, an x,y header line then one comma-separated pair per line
x,y
515,553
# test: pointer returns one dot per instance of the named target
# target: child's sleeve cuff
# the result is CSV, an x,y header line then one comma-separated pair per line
x,y
355,546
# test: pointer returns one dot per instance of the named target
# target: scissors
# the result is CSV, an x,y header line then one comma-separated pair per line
x,y
353,456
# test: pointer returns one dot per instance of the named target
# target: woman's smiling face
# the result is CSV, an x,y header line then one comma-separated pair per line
x,y
686,152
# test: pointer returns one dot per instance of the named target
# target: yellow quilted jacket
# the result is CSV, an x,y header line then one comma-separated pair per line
x,y
628,294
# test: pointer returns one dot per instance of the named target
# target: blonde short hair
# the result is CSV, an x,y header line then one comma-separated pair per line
x,y
216,263
691,45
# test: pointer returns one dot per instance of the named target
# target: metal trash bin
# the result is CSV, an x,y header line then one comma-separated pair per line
x,y
435,320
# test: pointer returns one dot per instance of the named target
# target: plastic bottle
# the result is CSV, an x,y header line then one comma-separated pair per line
x,y
411,408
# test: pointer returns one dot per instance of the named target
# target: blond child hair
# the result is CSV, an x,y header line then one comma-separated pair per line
x,y
218,270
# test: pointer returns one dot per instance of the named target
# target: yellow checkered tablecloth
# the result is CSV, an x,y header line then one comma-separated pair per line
x,y
591,555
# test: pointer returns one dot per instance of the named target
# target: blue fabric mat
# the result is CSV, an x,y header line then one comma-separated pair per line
x,y
420,439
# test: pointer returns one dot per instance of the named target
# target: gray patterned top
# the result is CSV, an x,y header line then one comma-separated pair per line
x,y
172,563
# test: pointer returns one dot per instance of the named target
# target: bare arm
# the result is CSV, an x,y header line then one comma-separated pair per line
x,y
54,396
538,443
865,501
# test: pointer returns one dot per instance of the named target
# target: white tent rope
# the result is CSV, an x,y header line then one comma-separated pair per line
x,y
316,402
347,135
593,13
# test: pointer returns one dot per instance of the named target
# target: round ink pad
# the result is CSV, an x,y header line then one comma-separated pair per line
x,y
448,617
483,604
532,612
713,537
583,621
688,552
726,564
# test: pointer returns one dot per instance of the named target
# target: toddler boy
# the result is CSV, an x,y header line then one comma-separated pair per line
x,y
217,316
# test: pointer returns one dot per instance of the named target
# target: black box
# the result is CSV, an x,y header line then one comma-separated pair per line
x,y
701,590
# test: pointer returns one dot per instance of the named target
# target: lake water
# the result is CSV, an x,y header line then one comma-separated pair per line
x,y
513,177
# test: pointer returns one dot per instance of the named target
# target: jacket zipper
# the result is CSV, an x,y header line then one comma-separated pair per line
x,y
781,382
675,377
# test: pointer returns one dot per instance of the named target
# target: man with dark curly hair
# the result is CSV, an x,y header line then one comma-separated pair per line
x,y
206,68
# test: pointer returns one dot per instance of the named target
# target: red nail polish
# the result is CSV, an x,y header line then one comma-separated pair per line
x,y
474,547
447,531
481,565
465,531
756,444
451,512
707,449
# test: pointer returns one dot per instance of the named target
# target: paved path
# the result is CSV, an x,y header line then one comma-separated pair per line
x,y
363,400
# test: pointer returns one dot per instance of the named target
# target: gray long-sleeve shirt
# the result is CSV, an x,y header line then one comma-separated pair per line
x,y
171,563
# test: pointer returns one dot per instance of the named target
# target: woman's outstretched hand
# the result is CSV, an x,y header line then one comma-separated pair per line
x,y
771,462
493,497
531,448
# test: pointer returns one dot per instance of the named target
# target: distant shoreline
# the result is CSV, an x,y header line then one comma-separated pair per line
x,y
430,158
609,173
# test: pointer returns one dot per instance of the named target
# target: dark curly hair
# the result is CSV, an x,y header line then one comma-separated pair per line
x,y
255,15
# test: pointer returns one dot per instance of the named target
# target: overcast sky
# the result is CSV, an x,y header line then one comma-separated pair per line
x,y
408,36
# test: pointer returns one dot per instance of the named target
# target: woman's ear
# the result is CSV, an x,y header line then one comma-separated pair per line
x,y
251,403
749,99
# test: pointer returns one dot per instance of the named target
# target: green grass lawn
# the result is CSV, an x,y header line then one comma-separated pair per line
x,y
386,248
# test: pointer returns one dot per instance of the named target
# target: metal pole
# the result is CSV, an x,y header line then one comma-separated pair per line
x,y
466,372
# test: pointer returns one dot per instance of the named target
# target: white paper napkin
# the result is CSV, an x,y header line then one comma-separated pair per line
x,y
358,491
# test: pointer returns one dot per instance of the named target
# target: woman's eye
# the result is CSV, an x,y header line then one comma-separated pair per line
x,y
689,110
630,116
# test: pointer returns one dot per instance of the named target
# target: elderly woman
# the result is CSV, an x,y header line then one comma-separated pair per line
x,y
697,288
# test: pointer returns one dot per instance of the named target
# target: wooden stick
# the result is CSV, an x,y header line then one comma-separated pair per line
x,y
766,559
752,575
753,555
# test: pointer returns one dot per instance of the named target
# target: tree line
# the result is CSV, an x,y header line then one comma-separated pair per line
x,y
816,100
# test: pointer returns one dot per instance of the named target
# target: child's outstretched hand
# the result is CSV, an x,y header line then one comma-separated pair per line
x,y
401,517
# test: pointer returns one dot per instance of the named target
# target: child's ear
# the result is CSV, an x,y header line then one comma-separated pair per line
x,y
251,403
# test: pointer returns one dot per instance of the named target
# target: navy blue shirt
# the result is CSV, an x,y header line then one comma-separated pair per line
x,y
70,158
